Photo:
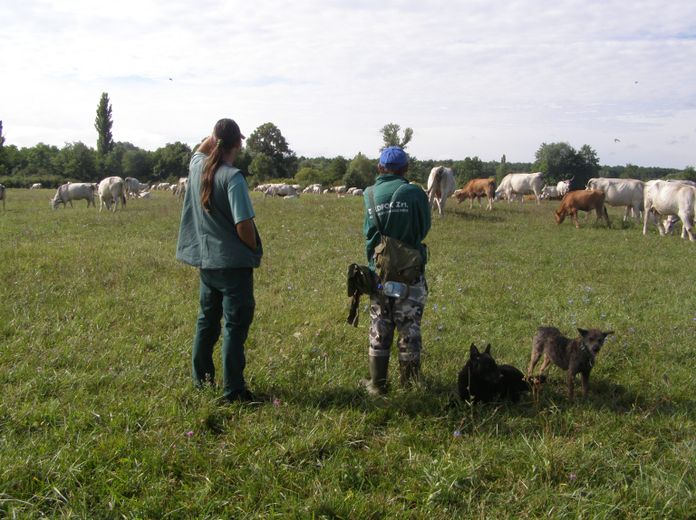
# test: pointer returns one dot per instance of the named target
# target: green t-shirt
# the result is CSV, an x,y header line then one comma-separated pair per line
x,y
405,217
209,240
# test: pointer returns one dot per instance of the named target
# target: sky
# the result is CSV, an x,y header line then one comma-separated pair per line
x,y
471,78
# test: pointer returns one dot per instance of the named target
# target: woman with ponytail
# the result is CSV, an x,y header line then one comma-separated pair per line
x,y
217,235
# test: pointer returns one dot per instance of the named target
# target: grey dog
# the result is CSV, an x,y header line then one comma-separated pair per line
x,y
574,355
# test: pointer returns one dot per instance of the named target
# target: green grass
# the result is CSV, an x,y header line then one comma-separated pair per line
x,y
99,419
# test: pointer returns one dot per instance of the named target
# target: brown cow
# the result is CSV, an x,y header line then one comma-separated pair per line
x,y
475,189
582,200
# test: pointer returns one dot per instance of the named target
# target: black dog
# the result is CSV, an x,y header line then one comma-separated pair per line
x,y
482,379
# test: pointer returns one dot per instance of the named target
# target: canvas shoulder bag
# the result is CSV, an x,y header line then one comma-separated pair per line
x,y
395,260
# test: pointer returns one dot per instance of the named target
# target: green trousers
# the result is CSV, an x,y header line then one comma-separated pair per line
x,y
226,294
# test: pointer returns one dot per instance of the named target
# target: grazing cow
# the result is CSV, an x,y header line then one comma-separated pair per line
x,y
521,184
144,195
179,188
71,191
111,190
476,189
440,187
620,192
35,186
550,192
279,190
3,195
312,188
134,187
357,192
582,200
563,187
670,198
340,189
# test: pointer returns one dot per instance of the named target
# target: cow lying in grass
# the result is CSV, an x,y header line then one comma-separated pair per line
x,y
582,200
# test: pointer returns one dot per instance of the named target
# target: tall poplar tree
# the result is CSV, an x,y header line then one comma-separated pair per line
x,y
390,136
103,124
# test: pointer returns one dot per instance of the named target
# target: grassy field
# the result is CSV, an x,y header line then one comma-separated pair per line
x,y
99,419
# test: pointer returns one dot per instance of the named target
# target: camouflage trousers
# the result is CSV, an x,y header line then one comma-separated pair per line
x,y
402,315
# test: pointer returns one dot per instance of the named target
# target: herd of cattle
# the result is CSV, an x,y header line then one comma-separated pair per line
x,y
673,199
291,191
111,191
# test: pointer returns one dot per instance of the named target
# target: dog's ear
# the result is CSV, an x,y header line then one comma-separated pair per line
x,y
582,332
473,351
605,334
488,349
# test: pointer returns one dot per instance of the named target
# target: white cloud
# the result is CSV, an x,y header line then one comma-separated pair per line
x,y
471,78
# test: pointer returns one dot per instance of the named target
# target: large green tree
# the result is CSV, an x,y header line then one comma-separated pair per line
x,y
2,137
561,161
171,161
77,162
136,163
103,124
336,169
262,167
360,172
390,136
267,139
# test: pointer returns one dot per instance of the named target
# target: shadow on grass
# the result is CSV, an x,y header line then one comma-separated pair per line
x,y
430,397
434,397
604,395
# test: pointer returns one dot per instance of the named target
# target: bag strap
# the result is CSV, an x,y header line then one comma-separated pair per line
x,y
371,196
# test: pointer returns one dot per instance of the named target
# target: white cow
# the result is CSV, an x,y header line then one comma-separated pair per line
x,y
521,184
71,191
312,188
280,190
441,186
621,192
671,220
550,192
111,190
180,187
563,187
35,186
340,189
3,195
134,187
357,192
670,198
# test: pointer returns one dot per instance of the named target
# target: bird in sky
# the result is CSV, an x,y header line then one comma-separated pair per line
x,y
617,140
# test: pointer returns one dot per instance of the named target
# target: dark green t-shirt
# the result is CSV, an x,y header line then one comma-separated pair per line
x,y
405,217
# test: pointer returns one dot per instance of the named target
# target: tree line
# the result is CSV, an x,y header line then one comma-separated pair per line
x,y
267,157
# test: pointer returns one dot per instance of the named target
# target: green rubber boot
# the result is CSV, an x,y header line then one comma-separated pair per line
x,y
377,384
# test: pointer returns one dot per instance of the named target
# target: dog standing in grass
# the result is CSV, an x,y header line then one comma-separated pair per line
x,y
573,355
